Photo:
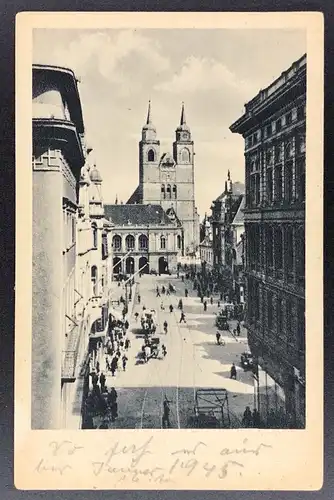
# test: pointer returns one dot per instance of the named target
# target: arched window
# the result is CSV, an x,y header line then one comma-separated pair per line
x,y
117,242
174,192
169,194
178,242
185,155
163,191
143,242
94,279
289,150
162,242
94,236
130,242
151,155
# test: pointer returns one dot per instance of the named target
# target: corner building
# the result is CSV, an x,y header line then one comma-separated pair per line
x,y
168,179
273,126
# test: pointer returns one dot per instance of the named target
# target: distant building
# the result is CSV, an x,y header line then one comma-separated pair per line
x,y
168,180
227,228
273,126
205,246
144,237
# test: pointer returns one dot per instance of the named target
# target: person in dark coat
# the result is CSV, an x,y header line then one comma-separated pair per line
x,y
186,293
205,305
103,382
233,372
183,317
165,416
238,329
256,419
180,306
113,366
247,419
218,337
124,361
138,298
126,324
171,308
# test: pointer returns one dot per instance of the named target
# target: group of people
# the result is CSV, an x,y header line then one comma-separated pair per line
x,y
251,419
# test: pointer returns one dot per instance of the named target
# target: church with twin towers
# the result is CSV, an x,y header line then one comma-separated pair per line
x,y
164,200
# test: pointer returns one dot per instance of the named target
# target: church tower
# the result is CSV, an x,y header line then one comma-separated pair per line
x,y
149,156
183,153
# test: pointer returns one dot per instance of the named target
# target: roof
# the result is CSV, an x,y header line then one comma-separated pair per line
x,y
239,216
134,198
67,79
137,215
238,188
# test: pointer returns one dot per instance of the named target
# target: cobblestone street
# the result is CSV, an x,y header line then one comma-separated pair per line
x,y
193,361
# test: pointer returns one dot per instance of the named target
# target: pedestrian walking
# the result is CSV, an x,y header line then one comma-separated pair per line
x,y
256,418
164,350
186,292
162,307
136,316
95,378
218,337
171,308
163,290
114,364
103,382
97,366
218,304
238,329
202,299
182,278
165,327
112,403
205,305
124,361
147,351
247,419
126,324
127,344
167,292
138,298
180,305
165,415
211,300
183,317
233,372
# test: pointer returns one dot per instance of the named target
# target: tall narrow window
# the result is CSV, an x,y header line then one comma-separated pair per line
x,y
278,251
169,194
270,310
269,185
130,242
289,253
269,249
288,195
143,242
162,243
185,155
300,255
151,155
178,242
174,192
94,236
278,184
163,192
117,242
94,279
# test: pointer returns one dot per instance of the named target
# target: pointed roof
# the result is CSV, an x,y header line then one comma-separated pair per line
x,y
149,125
183,124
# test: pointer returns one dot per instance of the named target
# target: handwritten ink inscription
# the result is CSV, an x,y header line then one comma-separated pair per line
x,y
133,462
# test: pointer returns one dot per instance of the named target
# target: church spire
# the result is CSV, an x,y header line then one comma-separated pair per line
x,y
183,115
148,121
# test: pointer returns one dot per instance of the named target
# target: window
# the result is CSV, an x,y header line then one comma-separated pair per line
x,y
117,242
174,192
269,157
185,155
289,150
278,184
94,279
300,255
269,185
178,242
301,144
104,246
169,194
278,153
300,180
130,242
288,118
288,182
278,125
269,130
94,236
301,112
143,242
289,253
151,155
278,249
162,242
163,192
269,250
255,189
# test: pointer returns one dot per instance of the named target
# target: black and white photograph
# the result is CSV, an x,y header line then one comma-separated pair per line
x,y
168,229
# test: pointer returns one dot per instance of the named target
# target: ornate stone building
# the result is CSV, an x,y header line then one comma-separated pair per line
x,y
273,126
168,179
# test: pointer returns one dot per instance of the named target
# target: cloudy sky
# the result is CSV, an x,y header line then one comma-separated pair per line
x,y
213,71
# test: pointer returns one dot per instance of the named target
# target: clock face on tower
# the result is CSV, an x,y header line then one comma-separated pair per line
x,y
185,135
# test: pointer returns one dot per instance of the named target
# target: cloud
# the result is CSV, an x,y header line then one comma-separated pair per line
x,y
201,74
106,52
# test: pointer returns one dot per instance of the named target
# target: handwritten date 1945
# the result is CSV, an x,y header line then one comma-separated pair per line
x,y
192,464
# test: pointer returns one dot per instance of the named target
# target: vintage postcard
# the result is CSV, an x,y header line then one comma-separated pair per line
x,y
169,251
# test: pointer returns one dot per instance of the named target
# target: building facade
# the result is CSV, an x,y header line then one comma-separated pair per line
x,y
58,156
144,238
72,257
227,229
205,246
273,126
168,179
